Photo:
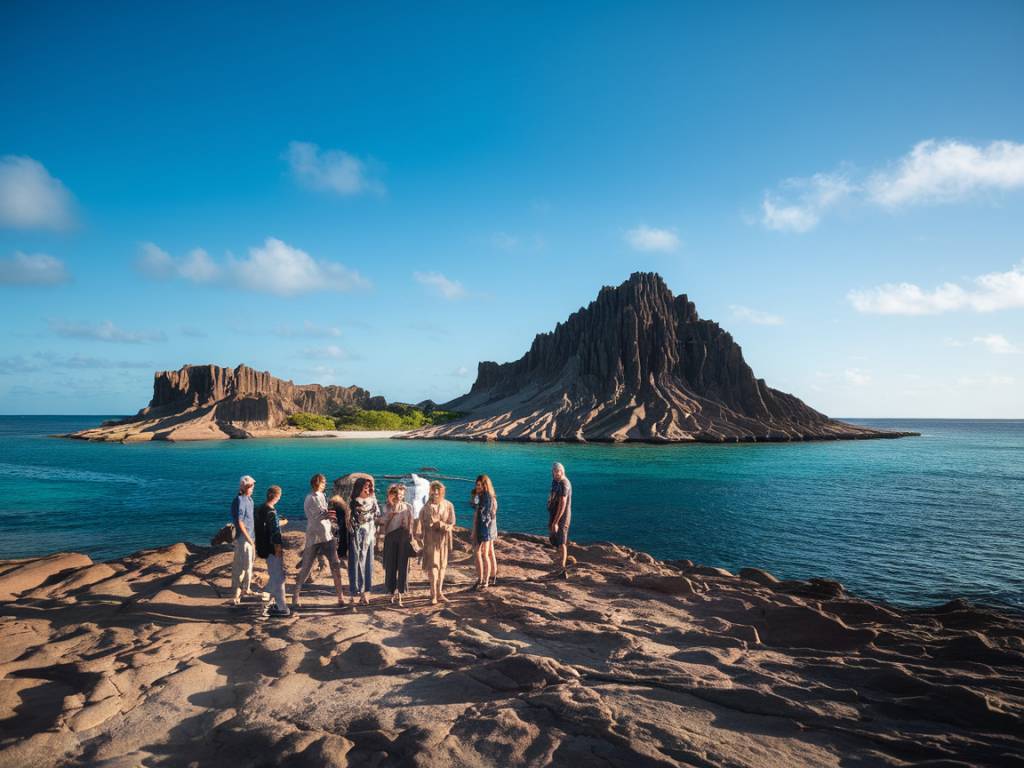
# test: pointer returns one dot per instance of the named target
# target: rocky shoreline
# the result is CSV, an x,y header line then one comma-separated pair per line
x,y
631,662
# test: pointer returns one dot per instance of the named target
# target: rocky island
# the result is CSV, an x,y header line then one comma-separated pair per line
x,y
208,402
638,364
631,662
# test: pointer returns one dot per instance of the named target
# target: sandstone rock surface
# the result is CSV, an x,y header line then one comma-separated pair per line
x,y
637,364
208,402
631,662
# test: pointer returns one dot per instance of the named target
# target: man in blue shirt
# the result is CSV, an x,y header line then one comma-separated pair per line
x,y
245,546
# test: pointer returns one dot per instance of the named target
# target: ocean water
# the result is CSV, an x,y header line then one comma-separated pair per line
x,y
914,521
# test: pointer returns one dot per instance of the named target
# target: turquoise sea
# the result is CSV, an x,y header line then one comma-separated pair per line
x,y
914,521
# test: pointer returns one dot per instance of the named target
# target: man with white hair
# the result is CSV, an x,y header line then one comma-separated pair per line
x,y
245,545
560,516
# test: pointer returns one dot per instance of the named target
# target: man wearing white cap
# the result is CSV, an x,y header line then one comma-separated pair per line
x,y
245,545
560,515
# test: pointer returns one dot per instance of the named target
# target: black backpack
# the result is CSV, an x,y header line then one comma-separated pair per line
x,y
262,525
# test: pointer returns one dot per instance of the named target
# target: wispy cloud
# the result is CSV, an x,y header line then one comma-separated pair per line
x,y
275,268
644,238
934,171
30,198
307,330
441,285
105,331
997,344
331,170
32,269
504,241
988,293
754,316
799,203
44,361
856,377
948,171
326,352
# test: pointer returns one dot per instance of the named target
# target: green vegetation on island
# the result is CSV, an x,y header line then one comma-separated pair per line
x,y
397,417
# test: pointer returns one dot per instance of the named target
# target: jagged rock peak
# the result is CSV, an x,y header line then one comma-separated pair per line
x,y
637,363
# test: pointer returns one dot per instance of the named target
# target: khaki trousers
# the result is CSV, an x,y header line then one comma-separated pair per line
x,y
241,568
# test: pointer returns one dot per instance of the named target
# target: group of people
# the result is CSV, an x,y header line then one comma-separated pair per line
x,y
346,526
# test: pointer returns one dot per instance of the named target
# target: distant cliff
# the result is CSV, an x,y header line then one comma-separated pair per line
x,y
208,402
637,364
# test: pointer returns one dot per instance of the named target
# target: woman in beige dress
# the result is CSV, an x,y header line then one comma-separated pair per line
x,y
437,519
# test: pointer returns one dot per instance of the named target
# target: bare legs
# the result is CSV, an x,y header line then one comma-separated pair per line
x,y
436,576
485,563
494,561
561,558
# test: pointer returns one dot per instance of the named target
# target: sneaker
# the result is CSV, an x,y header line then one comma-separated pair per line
x,y
275,612
564,574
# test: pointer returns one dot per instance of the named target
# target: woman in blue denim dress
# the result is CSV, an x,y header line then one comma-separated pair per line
x,y
485,530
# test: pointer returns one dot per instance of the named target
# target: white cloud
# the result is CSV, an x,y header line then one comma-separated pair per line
x,y
281,269
196,266
990,292
105,331
462,371
933,171
947,171
754,316
275,267
441,285
32,269
30,198
332,170
644,238
997,344
802,201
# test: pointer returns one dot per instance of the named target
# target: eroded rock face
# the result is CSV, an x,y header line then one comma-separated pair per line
x,y
636,364
204,402
632,661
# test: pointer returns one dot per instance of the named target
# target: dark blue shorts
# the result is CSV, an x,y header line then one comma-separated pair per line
x,y
559,538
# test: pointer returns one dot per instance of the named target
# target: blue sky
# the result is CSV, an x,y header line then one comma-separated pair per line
x,y
384,197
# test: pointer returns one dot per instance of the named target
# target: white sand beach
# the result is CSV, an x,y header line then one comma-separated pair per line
x,y
354,434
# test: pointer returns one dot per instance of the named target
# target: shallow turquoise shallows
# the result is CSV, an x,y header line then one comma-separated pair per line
x,y
914,521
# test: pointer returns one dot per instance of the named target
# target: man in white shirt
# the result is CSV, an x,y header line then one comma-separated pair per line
x,y
319,538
